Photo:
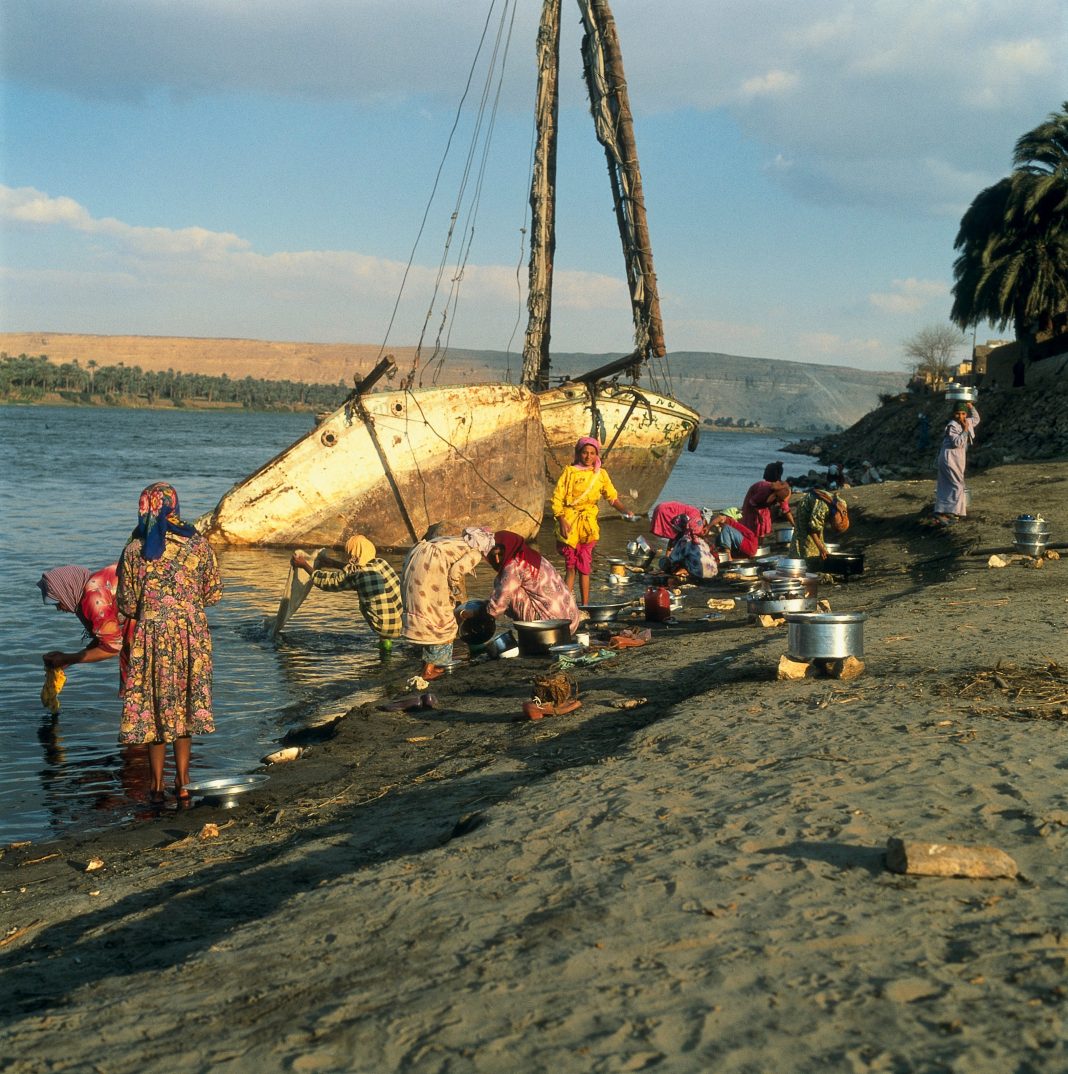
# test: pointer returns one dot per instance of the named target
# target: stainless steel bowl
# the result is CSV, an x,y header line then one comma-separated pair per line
x,y
782,534
825,635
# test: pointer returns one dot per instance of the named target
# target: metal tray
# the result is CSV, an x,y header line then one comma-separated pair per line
x,y
226,790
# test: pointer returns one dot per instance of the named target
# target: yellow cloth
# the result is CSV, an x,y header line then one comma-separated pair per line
x,y
359,548
53,685
575,500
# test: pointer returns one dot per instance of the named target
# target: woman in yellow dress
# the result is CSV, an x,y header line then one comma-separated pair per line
x,y
575,499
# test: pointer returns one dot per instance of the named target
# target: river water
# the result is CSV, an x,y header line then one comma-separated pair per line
x,y
69,481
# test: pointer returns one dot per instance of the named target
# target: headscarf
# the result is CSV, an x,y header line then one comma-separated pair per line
x,y
157,515
359,548
480,539
687,526
513,546
582,442
64,585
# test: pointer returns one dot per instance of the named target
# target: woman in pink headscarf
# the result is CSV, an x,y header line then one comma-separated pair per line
x,y
574,506
528,586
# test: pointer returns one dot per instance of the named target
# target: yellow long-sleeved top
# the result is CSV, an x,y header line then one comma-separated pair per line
x,y
575,500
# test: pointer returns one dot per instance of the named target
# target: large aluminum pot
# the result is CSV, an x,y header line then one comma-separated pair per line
x,y
782,534
537,635
825,635
1029,548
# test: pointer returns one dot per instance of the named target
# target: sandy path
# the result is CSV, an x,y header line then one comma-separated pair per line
x,y
701,891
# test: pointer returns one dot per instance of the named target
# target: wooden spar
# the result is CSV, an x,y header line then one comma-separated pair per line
x,y
610,105
543,202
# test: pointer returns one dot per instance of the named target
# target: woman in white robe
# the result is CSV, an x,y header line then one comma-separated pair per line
x,y
949,492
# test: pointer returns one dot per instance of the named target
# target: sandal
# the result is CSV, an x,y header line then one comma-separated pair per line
x,y
182,797
157,799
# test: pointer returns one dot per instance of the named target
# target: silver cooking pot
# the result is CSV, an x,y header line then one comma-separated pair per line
x,y
501,644
825,635
537,635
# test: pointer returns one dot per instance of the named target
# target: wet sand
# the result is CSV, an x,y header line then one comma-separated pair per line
x,y
698,883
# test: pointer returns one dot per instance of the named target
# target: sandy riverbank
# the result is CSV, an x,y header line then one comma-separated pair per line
x,y
695,884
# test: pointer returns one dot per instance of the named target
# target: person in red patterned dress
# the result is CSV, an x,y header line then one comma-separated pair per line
x,y
91,597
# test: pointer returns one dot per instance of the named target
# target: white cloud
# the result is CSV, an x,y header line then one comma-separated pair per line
x,y
909,296
771,84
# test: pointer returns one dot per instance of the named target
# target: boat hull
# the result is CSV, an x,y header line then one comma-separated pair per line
x,y
643,433
473,454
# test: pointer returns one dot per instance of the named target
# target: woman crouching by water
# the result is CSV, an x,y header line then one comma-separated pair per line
x,y
168,575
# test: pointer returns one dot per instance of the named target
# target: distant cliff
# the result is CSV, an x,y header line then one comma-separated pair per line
x,y
762,391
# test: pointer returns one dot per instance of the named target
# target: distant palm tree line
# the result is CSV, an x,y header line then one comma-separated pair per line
x,y
1013,239
30,377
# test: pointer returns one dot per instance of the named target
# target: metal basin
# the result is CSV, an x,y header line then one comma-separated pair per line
x,y
225,791
536,636
749,570
962,393
782,534
604,613
825,635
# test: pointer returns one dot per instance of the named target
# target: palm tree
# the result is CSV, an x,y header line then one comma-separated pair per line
x,y
1013,239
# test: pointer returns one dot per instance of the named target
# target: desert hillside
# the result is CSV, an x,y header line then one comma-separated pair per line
x,y
761,391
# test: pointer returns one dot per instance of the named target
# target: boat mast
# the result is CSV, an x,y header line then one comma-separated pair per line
x,y
543,201
614,122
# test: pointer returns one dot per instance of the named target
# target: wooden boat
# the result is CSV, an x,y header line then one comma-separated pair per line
x,y
388,464
643,430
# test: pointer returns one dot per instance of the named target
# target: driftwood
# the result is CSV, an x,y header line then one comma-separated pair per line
x,y
947,859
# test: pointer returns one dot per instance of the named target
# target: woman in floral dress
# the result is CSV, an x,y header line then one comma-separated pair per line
x,y
528,586
168,575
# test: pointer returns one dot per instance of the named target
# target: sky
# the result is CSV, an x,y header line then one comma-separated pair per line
x,y
273,169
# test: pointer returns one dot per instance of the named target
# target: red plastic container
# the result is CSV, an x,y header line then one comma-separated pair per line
x,y
657,604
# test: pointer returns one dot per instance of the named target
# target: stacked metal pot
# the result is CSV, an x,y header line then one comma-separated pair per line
x,y
788,587
1030,534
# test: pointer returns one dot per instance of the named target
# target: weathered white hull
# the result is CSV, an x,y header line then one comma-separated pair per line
x,y
643,433
472,453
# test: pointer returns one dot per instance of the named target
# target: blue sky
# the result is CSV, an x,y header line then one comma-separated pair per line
x,y
260,169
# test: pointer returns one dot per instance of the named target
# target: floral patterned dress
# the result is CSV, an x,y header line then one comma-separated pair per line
x,y
168,685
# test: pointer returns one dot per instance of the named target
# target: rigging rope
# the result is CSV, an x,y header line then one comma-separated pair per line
x,y
437,177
